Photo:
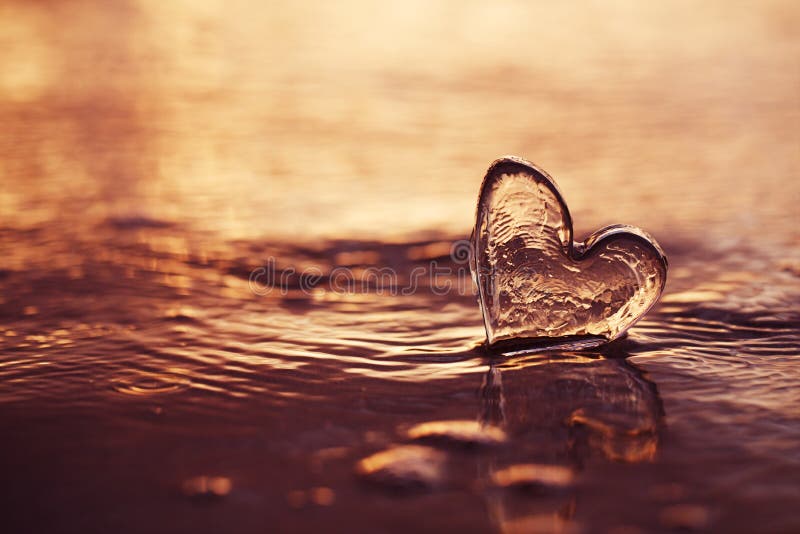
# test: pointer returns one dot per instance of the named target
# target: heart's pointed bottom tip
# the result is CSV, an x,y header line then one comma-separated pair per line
x,y
528,345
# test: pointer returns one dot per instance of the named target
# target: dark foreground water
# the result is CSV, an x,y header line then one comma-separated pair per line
x,y
157,164
130,375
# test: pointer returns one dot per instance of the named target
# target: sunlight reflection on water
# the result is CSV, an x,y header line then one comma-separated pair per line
x,y
155,155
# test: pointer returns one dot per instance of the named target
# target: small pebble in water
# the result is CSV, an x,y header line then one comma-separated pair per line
x,y
322,496
459,432
206,487
405,467
537,477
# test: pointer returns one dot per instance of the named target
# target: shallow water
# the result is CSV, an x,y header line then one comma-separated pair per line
x,y
158,163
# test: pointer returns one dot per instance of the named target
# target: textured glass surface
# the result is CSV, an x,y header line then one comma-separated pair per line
x,y
537,287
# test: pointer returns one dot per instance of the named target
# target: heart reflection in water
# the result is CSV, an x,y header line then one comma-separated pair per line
x,y
561,411
543,419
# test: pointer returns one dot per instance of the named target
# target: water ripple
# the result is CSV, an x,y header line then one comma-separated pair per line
x,y
149,384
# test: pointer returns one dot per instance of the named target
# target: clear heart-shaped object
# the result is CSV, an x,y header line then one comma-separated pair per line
x,y
537,288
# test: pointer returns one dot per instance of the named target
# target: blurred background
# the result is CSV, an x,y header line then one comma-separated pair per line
x,y
154,154
301,120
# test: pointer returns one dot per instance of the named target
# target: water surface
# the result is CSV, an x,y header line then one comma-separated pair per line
x,y
153,158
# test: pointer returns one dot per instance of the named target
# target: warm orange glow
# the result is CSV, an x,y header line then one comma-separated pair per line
x,y
155,155
465,432
545,476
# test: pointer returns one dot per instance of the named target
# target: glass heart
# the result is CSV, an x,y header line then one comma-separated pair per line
x,y
536,287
